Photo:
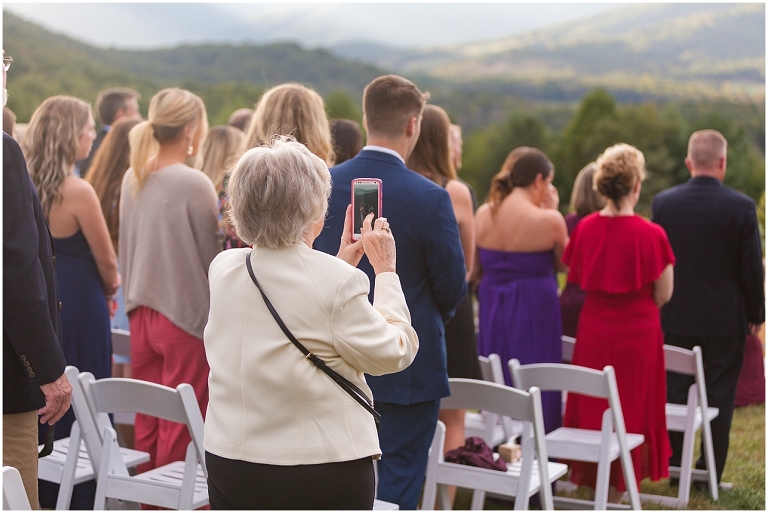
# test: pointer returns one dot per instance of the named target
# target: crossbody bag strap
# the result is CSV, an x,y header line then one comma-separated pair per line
x,y
349,387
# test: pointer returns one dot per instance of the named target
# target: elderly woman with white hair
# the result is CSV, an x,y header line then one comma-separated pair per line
x,y
279,432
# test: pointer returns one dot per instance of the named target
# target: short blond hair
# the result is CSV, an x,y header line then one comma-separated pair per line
x,y
619,169
705,148
51,142
277,192
389,102
296,110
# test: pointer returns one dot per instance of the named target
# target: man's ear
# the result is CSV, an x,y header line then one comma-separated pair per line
x,y
689,164
410,128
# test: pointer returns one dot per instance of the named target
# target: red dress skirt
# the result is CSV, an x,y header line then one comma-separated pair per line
x,y
616,260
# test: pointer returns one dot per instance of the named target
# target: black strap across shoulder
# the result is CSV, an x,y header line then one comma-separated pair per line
x,y
349,387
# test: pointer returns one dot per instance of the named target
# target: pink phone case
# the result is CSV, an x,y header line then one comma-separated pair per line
x,y
358,216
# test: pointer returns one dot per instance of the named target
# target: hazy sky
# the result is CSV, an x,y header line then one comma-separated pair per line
x,y
150,25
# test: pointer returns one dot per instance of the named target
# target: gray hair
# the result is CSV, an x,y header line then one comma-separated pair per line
x,y
276,192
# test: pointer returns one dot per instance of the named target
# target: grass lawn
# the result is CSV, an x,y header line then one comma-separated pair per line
x,y
745,468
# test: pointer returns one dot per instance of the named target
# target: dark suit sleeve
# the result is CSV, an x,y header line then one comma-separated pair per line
x,y
751,273
445,258
27,321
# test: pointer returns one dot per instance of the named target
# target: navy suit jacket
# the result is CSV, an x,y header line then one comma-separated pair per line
x,y
430,264
32,354
719,270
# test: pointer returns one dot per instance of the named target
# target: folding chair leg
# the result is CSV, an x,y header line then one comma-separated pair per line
x,y
70,467
709,456
601,486
110,443
430,484
478,500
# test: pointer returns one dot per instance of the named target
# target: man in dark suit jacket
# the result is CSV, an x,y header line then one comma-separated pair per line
x,y
718,293
430,264
111,105
33,362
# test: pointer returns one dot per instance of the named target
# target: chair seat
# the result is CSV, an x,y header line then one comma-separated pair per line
x,y
51,467
677,413
584,444
384,506
495,481
126,487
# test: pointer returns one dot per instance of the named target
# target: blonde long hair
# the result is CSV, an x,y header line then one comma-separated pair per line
x,y
51,144
222,148
170,111
295,109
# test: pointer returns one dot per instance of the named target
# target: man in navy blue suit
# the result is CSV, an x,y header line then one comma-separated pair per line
x,y
719,295
430,264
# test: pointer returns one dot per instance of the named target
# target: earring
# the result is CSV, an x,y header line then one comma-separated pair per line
x,y
190,150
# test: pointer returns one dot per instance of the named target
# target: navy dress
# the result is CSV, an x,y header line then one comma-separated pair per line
x,y
86,337
84,314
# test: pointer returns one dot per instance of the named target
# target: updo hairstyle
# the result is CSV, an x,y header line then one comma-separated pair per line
x,y
619,169
520,169
277,192
170,111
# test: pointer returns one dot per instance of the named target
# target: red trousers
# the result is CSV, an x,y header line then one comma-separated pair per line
x,y
163,353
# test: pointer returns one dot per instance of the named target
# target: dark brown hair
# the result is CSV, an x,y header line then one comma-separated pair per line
x,y
389,102
520,169
431,156
347,139
106,172
110,101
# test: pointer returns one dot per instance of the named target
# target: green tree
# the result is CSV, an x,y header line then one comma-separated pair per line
x,y
339,104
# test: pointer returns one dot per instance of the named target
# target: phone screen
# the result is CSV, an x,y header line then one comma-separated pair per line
x,y
366,199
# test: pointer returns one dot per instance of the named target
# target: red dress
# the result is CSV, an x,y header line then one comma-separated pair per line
x,y
616,260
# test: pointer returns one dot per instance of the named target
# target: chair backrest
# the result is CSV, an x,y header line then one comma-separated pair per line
x,y
513,403
91,427
114,395
561,377
121,342
689,362
14,494
490,368
569,344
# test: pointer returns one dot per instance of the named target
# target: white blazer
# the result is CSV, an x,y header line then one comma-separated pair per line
x,y
268,404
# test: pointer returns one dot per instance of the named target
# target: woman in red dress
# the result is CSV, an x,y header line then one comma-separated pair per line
x,y
624,263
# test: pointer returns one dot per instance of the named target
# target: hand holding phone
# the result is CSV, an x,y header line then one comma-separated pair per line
x,y
366,199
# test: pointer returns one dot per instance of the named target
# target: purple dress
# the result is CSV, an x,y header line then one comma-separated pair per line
x,y
520,315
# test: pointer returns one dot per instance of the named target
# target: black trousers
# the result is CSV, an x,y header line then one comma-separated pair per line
x,y
235,484
723,358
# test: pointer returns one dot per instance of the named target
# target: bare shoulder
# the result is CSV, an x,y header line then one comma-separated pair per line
x,y
458,188
78,189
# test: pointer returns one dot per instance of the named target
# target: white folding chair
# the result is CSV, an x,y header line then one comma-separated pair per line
x,y
69,468
14,494
569,344
687,419
491,427
576,444
532,474
178,485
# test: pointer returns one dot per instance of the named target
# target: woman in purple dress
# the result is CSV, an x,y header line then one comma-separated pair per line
x,y
519,248
584,200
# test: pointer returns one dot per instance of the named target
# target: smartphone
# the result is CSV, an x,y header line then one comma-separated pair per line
x,y
366,199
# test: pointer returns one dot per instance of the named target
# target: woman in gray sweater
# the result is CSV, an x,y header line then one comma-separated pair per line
x,y
168,238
